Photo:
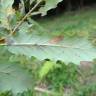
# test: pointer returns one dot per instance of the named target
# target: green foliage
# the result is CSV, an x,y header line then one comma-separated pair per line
x,y
47,67
25,93
31,39
7,93
13,77
26,40
67,76
86,90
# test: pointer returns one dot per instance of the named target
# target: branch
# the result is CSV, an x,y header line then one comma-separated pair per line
x,y
25,17
44,91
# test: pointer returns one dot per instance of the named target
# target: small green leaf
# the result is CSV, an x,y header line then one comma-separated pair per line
x,y
47,67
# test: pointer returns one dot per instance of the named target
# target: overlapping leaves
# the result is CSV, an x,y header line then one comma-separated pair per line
x,y
32,40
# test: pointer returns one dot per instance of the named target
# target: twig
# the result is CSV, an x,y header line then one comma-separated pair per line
x,y
24,18
44,91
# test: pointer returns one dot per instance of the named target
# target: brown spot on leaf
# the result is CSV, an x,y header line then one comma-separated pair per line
x,y
56,39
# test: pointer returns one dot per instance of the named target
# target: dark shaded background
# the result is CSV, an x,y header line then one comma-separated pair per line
x,y
65,5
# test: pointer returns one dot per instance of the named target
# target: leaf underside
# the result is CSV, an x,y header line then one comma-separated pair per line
x,y
13,77
44,46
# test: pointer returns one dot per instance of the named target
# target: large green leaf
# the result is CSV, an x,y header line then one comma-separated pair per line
x,y
42,45
13,77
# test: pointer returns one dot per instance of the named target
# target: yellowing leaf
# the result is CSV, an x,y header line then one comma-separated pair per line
x,y
10,11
